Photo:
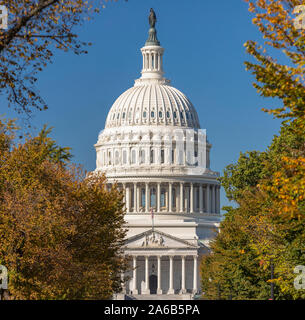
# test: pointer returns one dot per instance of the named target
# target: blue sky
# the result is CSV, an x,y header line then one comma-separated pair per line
x,y
203,58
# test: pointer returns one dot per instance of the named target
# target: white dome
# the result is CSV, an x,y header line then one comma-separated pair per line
x,y
152,103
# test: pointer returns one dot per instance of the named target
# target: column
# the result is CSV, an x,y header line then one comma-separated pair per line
x,y
147,291
207,199
171,276
124,194
170,197
181,197
187,197
200,199
192,198
195,276
213,199
218,200
158,196
182,275
135,197
159,290
138,198
159,62
134,276
146,198
127,199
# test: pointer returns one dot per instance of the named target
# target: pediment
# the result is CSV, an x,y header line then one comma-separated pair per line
x,y
157,239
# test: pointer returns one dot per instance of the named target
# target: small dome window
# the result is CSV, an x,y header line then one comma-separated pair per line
x,y
181,114
167,114
152,114
113,116
160,114
118,116
144,114
123,115
175,114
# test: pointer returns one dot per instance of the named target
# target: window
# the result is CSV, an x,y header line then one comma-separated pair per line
x,y
152,114
181,114
144,114
152,156
162,155
162,198
175,114
173,156
123,115
118,116
167,114
187,115
160,114
113,116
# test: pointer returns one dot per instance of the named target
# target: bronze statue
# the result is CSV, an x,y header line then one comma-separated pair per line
x,y
152,18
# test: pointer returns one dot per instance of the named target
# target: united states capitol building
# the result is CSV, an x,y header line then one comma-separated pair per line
x,y
154,149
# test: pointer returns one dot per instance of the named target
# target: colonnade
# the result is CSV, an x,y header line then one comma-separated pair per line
x,y
171,290
181,197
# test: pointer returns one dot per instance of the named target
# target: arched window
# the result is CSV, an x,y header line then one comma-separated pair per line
x,y
160,114
152,114
173,156
123,116
175,114
162,198
144,114
152,197
167,114
118,115
152,156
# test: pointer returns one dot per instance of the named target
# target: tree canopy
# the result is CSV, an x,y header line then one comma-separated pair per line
x,y
37,28
61,231
268,226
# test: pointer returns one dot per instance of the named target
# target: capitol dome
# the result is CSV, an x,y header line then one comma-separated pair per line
x,y
153,149
152,103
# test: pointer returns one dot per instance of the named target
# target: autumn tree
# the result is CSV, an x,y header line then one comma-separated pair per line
x,y
37,28
268,224
61,231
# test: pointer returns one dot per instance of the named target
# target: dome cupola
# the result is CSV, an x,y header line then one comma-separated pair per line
x,y
152,100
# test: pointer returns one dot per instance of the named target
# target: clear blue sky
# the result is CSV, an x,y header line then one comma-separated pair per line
x,y
204,55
